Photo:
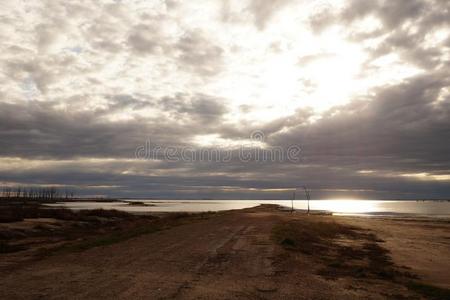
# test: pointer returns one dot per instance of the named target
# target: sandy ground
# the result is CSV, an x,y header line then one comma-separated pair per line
x,y
423,245
228,256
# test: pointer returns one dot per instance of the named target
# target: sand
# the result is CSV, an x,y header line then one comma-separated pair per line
x,y
423,245
231,255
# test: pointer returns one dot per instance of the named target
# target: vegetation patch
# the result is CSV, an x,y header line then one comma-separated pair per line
x,y
429,291
133,229
7,248
110,238
19,212
346,251
308,236
70,230
326,242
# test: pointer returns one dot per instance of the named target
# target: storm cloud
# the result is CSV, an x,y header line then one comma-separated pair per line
x,y
362,87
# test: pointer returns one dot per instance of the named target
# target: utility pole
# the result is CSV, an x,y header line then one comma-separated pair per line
x,y
307,196
292,202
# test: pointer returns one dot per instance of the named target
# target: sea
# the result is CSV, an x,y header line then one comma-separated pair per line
x,y
396,208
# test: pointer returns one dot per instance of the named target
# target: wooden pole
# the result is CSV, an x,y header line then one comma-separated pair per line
x,y
292,202
307,196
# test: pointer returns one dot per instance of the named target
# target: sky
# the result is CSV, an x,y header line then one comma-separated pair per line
x,y
121,98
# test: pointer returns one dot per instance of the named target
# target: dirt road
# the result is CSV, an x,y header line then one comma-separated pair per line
x,y
228,256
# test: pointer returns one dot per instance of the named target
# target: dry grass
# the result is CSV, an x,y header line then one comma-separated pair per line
x,y
429,291
19,212
79,230
71,225
308,236
134,229
346,251
343,250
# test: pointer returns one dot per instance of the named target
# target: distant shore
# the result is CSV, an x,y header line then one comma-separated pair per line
x,y
366,208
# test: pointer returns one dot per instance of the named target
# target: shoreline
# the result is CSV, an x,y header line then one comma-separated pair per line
x,y
363,208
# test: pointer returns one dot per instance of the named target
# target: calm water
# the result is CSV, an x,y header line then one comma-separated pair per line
x,y
340,207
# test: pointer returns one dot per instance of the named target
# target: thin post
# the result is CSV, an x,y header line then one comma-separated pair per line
x,y
292,202
307,196
308,203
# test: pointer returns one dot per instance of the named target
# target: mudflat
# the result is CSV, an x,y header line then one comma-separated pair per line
x,y
257,253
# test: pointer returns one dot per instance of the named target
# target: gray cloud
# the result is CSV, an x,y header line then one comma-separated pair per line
x,y
401,124
402,130
263,11
41,130
83,85
406,25
204,107
145,39
392,13
198,54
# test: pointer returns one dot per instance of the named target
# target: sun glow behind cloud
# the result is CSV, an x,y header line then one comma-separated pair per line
x,y
268,71
362,87
273,70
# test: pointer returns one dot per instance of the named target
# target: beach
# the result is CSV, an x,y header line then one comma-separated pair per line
x,y
252,253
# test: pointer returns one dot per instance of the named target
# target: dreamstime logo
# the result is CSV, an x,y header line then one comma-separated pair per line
x,y
257,136
254,149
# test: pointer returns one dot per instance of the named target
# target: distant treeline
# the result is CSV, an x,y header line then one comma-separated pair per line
x,y
32,193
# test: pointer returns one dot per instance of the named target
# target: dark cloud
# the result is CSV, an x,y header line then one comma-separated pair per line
x,y
36,129
205,108
194,52
392,13
407,26
403,129
198,54
120,102
399,125
81,94
144,39
199,180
